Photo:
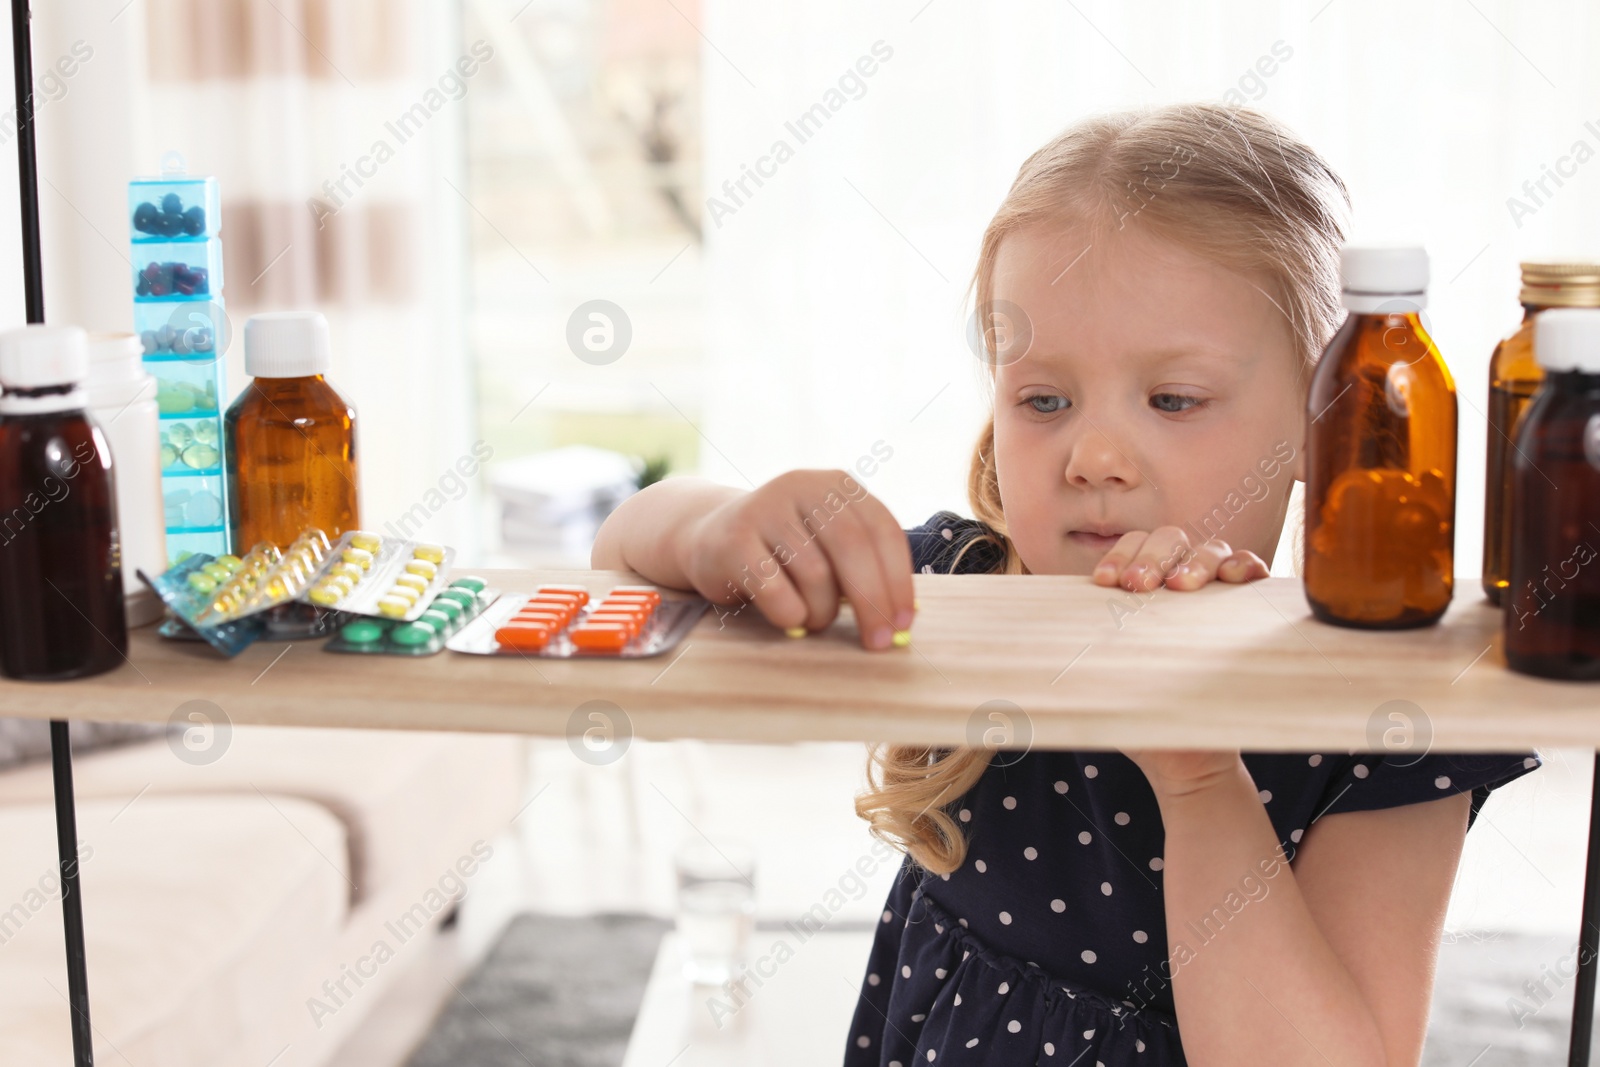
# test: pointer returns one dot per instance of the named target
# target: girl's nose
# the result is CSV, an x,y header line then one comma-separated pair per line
x,y
1096,461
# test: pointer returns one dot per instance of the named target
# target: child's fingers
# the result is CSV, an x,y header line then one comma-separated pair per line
x,y
853,546
1243,566
894,559
1143,561
805,592
1110,569
1165,549
1201,567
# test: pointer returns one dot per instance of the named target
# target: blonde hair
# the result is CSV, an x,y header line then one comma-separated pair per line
x,y
1230,184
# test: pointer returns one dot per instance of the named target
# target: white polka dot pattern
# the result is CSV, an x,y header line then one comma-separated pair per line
x,y
1042,834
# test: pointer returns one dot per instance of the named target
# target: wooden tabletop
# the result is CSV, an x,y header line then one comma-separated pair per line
x,y
1062,662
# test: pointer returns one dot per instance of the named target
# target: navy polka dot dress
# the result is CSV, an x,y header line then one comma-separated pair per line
x,y
1048,945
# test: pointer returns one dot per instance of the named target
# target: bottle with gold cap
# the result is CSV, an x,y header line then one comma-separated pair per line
x,y
1514,376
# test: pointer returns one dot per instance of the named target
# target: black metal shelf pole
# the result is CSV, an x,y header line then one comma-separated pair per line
x,y
1583,989
60,743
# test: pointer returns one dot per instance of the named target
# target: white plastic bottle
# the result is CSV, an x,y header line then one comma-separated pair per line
x,y
122,400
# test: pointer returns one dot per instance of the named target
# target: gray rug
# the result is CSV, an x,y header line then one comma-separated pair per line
x,y
1485,1014
555,991
558,991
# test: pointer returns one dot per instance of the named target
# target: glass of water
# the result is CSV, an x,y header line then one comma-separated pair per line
x,y
716,908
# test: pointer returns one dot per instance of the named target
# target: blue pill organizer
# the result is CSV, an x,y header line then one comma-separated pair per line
x,y
174,225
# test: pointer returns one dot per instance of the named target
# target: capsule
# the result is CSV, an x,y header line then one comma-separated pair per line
x,y
341,582
359,556
422,567
547,615
627,622
439,620
569,590
448,608
524,637
431,553
369,542
411,634
411,581
565,607
352,571
600,637
635,608
635,621
649,592
361,632
325,594
394,606
631,598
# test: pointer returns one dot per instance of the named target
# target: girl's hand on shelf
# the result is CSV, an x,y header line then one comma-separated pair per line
x,y
799,544
1142,561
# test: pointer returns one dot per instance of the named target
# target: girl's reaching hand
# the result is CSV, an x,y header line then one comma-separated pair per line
x,y
797,545
1143,561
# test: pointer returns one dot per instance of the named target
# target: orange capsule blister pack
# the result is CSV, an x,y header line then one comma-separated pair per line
x,y
563,622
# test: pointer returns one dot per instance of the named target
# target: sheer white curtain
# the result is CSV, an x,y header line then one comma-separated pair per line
x,y
836,287
288,102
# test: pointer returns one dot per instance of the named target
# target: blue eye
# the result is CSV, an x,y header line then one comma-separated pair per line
x,y
1187,402
1033,401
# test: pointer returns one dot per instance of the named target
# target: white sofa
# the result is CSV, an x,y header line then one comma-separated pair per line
x,y
248,911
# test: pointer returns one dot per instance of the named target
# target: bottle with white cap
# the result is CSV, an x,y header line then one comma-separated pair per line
x,y
290,437
1552,602
1381,453
122,400
61,606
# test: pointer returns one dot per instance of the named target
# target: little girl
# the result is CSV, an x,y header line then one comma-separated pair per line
x,y
1162,283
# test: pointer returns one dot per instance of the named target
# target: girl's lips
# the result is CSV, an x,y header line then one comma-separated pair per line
x,y
1095,541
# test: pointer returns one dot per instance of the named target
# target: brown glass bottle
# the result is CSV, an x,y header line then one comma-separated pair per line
x,y
1381,462
1552,601
291,449
1514,375
61,600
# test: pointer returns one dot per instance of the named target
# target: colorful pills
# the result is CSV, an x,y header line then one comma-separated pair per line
x,y
371,574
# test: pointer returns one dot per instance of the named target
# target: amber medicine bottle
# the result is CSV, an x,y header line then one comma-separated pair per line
x,y
1514,374
1552,601
61,596
1381,453
291,445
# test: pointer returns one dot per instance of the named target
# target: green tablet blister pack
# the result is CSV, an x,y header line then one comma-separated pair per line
x,y
451,608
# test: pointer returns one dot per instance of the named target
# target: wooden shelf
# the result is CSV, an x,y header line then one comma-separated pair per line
x,y
1222,667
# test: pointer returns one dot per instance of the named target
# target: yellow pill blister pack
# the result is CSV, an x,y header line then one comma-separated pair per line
x,y
370,574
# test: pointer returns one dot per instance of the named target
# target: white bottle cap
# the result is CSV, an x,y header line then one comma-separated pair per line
x,y
117,377
39,356
1568,339
115,357
286,344
1383,277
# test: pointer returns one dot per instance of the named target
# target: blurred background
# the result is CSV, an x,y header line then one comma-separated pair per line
x,y
562,231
